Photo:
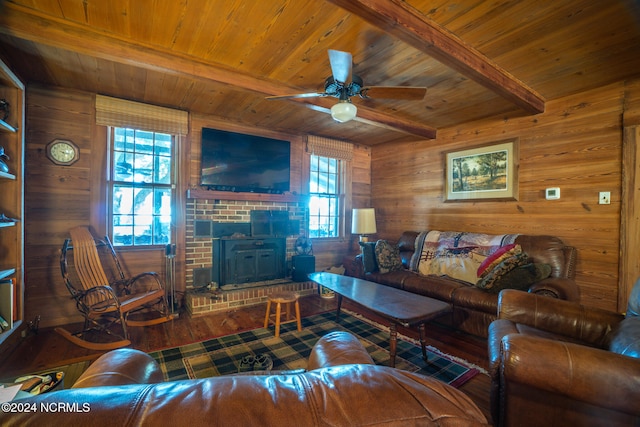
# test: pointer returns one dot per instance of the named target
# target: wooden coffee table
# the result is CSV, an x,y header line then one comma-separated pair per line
x,y
398,306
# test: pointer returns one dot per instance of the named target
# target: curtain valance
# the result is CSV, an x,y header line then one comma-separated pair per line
x,y
130,114
327,147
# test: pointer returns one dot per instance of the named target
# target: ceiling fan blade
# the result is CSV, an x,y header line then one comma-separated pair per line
x,y
298,95
340,65
408,93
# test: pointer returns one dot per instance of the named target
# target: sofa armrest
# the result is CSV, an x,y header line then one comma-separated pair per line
x,y
498,329
566,370
353,266
566,318
338,348
565,289
121,367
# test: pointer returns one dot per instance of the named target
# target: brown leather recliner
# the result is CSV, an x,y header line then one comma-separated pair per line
x,y
341,386
555,362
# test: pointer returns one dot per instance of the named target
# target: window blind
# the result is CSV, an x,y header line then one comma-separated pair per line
x,y
327,147
130,114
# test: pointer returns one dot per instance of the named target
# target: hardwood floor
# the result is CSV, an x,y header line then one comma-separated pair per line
x,y
47,349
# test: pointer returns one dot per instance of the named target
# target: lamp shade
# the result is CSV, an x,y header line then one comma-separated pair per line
x,y
363,221
343,111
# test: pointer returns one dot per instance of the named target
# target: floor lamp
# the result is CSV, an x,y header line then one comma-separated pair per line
x,y
363,222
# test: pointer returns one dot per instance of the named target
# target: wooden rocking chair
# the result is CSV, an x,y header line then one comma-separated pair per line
x,y
104,296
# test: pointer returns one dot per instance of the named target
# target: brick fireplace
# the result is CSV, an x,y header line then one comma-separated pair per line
x,y
201,245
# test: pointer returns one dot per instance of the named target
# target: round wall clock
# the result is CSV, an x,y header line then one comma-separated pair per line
x,y
63,152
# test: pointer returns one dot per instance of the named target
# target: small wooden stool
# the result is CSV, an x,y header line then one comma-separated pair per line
x,y
280,298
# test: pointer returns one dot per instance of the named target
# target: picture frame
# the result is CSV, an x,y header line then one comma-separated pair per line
x,y
486,172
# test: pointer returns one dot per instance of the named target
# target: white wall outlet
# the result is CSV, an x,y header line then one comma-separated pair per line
x,y
605,198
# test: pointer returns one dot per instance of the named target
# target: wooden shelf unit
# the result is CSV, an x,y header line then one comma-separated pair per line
x,y
12,204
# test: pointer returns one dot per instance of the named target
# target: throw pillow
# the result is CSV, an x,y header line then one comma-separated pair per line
x,y
520,278
500,270
388,256
369,256
626,339
497,257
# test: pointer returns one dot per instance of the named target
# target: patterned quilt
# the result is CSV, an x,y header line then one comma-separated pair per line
x,y
455,254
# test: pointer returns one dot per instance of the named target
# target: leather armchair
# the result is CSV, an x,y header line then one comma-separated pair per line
x,y
550,364
341,386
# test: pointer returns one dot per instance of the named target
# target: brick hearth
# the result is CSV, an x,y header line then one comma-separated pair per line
x,y
212,301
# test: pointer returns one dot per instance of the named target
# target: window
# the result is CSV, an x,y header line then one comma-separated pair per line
x,y
324,196
141,187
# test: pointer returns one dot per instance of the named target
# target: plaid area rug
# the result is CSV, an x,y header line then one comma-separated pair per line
x,y
221,356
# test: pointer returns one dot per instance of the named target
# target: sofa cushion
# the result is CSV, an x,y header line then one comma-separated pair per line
x,y
338,348
407,246
394,279
626,339
439,287
500,270
388,256
369,260
474,299
121,367
520,278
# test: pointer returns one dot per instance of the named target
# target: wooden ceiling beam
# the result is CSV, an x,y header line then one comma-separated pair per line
x,y
27,24
401,20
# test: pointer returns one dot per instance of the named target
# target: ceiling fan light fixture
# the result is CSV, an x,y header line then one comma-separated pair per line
x,y
343,111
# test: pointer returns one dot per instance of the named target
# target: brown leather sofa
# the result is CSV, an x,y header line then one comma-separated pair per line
x,y
473,308
341,386
556,362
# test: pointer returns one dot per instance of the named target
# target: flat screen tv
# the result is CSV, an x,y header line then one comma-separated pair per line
x,y
244,163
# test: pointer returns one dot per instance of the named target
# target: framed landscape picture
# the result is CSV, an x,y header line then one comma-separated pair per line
x,y
487,172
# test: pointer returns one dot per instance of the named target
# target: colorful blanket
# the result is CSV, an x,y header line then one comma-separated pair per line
x,y
455,254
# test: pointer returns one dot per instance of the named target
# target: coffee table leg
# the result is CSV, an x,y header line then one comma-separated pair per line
x,y
423,341
338,309
393,345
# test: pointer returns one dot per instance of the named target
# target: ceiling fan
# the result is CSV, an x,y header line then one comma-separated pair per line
x,y
343,85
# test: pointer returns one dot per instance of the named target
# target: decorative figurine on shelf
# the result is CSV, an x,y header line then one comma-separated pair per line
x,y
3,165
4,109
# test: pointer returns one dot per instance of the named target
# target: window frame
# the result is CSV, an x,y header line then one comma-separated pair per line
x,y
339,195
112,183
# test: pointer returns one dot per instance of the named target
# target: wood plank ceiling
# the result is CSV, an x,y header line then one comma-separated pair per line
x,y
477,58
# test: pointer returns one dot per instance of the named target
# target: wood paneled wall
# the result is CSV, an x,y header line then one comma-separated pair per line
x,y
58,198
576,144
630,210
